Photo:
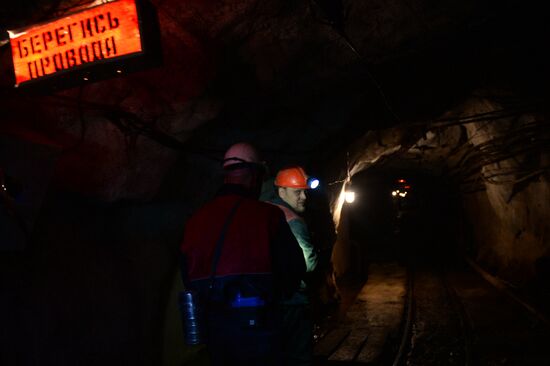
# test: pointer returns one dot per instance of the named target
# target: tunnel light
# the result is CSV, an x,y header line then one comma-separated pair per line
x,y
398,193
313,183
349,196
401,181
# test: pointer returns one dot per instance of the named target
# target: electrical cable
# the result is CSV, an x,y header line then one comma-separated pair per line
x,y
338,27
524,139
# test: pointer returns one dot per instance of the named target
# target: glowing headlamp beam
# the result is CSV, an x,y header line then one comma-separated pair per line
x,y
313,183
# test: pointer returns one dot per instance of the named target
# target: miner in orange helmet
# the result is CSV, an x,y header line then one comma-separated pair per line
x,y
291,184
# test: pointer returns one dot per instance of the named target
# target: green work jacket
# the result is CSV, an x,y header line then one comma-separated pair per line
x,y
299,229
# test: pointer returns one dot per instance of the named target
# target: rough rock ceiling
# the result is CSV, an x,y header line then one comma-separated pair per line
x,y
302,79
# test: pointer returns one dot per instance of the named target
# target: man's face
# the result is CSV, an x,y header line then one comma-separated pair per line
x,y
295,197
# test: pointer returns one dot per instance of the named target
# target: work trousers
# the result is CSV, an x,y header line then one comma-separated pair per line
x,y
297,335
229,343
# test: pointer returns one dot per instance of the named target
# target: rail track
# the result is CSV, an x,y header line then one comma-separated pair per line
x,y
435,330
458,317
435,317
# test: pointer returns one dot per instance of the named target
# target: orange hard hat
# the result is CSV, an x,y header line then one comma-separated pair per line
x,y
241,153
293,177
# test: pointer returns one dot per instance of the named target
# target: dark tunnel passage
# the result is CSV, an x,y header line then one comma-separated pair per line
x,y
413,293
434,114
404,215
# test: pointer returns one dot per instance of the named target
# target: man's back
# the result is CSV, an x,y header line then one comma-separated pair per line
x,y
259,258
257,244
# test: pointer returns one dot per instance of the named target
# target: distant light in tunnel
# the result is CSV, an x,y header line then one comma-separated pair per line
x,y
349,196
401,181
313,183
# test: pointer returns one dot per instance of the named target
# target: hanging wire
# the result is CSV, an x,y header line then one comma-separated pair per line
x,y
348,176
336,21
519,141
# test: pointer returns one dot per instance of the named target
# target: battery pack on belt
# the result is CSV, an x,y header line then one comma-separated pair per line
x,y
247,302
250,310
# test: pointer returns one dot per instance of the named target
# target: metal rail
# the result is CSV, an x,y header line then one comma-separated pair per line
x,y
408,314
502,287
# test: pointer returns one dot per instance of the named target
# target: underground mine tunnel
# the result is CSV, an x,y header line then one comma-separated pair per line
x,y
425,122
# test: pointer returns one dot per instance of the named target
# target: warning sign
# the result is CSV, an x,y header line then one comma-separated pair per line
x,y
88,37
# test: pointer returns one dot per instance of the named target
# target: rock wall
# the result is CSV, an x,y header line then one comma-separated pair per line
x,y
510,218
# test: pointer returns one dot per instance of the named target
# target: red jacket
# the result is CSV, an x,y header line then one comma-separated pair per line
x,y
259,255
